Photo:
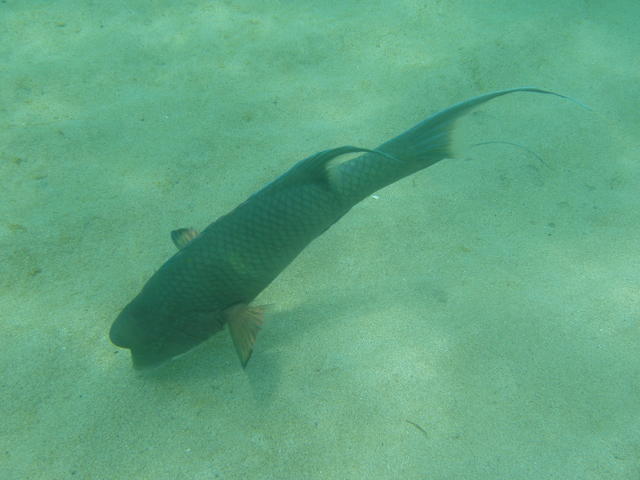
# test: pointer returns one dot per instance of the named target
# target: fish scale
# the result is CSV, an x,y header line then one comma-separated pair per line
x,y
212,280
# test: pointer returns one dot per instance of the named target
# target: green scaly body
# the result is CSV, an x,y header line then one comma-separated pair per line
x,y
242,252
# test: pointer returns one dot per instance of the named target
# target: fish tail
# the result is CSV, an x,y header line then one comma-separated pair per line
x,y
430,140
421,146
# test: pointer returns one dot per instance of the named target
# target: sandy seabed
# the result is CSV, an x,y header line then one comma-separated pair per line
x,y
478,320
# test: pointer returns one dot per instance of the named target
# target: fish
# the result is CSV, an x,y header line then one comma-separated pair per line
x,y
216,274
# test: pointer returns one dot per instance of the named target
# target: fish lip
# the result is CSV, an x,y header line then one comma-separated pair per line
x,y
116,336
121,333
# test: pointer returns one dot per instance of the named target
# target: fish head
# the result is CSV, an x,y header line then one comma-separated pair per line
x,y
155,337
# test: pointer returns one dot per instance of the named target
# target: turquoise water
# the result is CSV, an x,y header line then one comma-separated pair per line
x,y
478,320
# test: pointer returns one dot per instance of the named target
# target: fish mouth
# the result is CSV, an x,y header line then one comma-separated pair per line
x,y
117,336
123,334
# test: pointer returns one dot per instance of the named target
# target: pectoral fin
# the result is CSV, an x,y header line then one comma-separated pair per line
x,y
244,324
182,236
